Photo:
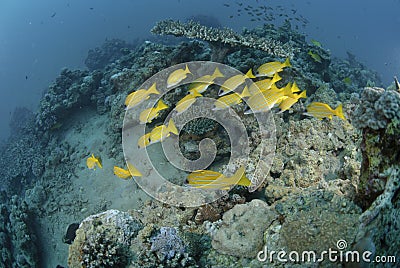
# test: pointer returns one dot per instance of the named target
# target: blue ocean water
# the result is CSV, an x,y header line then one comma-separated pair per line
x,y
38,38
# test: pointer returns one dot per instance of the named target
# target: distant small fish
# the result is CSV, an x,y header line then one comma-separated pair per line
x,y
139,96
315,56
147,115
322,110
208,179
53,15
92,162
347,80
91,8
316,43
26,77
177,76
227,5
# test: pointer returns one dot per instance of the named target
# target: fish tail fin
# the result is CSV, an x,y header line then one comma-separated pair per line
x,y
287,90
187,70
245,93
287,62
172,128
161,105
276,78
250,74
217,73
238,174
294,87
240,177
339,112
153,89
195,93
303,94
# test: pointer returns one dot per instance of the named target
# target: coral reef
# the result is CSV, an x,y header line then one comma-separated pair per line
x,y
312,153
18,235
378,115
310,188
110,51
71,91
214,211
242,227
380,224
20,120
5,240
325,215
167,244
22,160
103,240
219,38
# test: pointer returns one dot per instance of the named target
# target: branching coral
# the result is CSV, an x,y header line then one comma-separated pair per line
x,y
221,40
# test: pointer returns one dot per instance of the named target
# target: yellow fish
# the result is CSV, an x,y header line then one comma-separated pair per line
x,y
264,84
159,133
315,56
199,87
233,82
184,103
208,179
149,114
177,76
122,173
265,100
132,171
92,162
139,96
208,79
321,110
144,140
231,99
288,102
202,83
288,90
347,80
316,43
270,68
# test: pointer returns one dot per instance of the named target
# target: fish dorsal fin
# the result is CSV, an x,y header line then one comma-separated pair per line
x,y
161,105
172,128
153,89
287,63
250,74
245,93
217,73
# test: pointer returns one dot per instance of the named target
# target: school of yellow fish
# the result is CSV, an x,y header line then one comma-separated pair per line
x,y
261,96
